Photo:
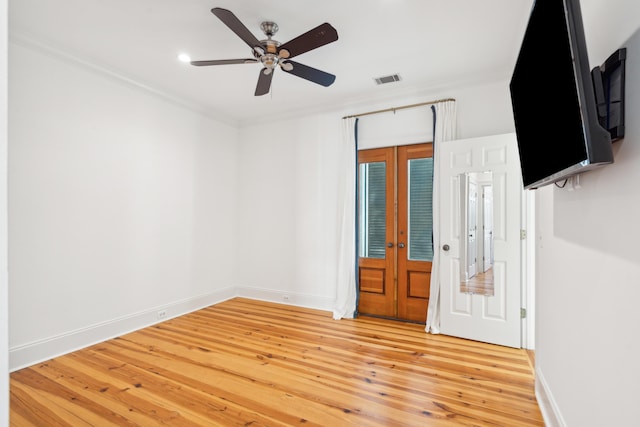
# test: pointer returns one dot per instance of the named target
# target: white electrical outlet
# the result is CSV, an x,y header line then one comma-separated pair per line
x,y
162,314
285,298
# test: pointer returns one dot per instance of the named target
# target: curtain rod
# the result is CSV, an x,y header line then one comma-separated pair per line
x,y
394,109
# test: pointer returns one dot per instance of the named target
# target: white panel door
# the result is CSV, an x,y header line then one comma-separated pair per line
x,y
492,318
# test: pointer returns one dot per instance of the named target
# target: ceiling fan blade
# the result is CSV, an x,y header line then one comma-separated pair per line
x,y
319,36
310,73
231,21
264,82
224,62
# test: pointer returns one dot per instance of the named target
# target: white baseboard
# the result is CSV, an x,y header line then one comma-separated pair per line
x,y
39,351
289,298
548,406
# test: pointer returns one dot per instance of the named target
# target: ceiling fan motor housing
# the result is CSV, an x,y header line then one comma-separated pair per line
x,y
269,28
270,56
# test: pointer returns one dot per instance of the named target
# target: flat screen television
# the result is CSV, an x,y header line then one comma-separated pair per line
x,y
552,96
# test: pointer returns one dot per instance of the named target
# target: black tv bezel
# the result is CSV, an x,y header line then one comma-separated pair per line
x,y
596,139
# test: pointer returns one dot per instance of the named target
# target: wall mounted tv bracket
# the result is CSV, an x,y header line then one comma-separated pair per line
x,y
608,84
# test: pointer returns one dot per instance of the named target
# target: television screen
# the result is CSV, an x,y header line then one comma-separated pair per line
x,y
553,99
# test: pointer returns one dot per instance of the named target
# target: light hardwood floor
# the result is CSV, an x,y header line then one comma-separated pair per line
x,y
245,362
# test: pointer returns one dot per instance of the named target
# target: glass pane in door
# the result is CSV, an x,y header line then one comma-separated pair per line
x,y
420,195
372,209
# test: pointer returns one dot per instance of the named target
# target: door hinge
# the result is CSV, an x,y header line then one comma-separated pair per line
x,y
523,313
523,234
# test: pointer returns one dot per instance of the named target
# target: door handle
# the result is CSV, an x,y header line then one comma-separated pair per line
x,y
445,248
390,244
401,245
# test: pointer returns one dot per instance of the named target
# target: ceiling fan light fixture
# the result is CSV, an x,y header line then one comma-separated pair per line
x,y
258,51
269,60
284,53
287,66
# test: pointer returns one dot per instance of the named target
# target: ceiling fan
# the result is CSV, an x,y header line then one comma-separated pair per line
x,y
270,53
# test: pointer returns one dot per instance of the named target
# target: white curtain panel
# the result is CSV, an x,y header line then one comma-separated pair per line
x,y
444,129
345,305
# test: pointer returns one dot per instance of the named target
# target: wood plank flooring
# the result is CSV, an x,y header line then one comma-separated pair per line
x,y
245,362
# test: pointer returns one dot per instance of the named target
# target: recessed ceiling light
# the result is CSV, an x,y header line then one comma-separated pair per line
x,y
183,57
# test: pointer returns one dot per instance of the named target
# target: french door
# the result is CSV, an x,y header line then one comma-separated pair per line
x,y
395,231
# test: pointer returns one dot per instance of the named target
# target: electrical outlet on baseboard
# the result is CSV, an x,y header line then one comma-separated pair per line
x,y
285,298
162,314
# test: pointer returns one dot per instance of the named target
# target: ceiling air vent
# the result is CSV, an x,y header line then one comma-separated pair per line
x,y
387,79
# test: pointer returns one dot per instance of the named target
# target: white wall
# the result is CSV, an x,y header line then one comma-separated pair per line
x,y
4,287
121,203
287,209
588,265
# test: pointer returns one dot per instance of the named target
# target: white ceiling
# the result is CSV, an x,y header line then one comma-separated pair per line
x,y
430,43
